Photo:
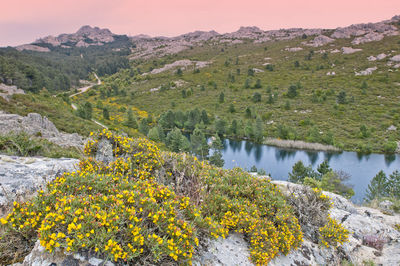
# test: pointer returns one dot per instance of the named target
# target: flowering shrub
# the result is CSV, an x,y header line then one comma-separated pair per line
x,y
253,206
332,233
150,206
312,207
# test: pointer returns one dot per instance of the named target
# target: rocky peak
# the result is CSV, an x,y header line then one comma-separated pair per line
x,y
88,30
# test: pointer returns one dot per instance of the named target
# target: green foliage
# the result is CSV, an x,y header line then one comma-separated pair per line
x,y
377,187
341,98
199,144
144,127
85,111
390,146
131,120
221,97
176,141
256,97
106,114
292,91
382,187
22,144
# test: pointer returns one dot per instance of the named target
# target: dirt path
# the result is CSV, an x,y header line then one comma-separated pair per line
x,y
82,90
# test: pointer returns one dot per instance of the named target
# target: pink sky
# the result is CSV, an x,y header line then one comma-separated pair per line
x,y
23,21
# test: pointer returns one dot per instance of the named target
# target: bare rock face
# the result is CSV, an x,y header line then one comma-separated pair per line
x,y
34,124
233,250
185,63
395,58
20,177
320,40
366,72
39,257
7,91
361,222
369,37
84,37
370,29
349,50
32,47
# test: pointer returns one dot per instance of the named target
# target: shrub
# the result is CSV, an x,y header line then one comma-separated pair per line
x,y
311,208
390,147
151,207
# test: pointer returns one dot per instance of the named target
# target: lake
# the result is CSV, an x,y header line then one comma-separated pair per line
x,y
278,162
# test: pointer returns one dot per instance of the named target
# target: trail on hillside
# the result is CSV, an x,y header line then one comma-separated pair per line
x,y
84,89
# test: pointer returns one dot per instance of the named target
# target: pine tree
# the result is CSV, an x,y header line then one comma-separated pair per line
x,y
198,143
394,184
144,127
259,130
377,188
216,157
106,114
131,120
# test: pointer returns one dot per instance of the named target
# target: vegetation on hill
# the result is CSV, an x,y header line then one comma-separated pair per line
x,y
251,88
150,206
57,109
61,68
24,145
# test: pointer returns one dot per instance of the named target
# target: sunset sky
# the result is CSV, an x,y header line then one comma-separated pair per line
x,y
23,21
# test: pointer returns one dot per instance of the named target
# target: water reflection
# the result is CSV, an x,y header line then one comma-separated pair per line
x,y
312,156
282,154
279,162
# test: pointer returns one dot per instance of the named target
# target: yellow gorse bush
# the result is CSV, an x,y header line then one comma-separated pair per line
x,y
121,212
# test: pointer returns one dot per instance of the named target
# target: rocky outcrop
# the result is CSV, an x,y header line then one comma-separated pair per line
x,y
366,72
350,50
36,125
21,177
361,222
293,49
84,37
185,63
7,91
32,47
320,40
374,30
369,37
395,58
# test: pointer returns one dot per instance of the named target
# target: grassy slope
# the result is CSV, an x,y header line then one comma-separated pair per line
x,y
57,110
377,107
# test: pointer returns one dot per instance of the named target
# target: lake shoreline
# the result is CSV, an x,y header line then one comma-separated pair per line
x,y
299,144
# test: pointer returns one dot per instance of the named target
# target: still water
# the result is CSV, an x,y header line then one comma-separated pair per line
x,y
278,162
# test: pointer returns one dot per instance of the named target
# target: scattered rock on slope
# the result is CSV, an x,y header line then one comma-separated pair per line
x,y
320,41
370,37
350,50
34,124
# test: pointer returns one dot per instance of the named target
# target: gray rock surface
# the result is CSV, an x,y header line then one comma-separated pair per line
x,y
395,58
320,41
20,177
104,152
7,91
366,72
39,257
349,50
233,250
96,36
369,37
36,125
360,221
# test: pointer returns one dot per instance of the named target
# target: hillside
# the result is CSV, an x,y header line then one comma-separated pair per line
x,y
338,87
59,63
